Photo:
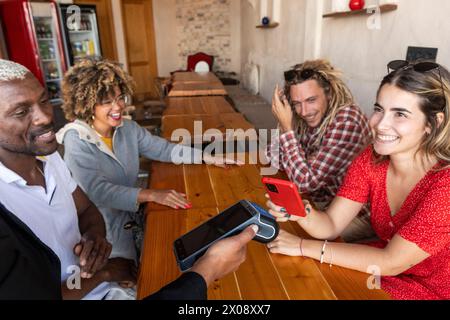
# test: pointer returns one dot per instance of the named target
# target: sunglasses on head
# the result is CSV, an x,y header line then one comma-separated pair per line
x,y
420,67
305,74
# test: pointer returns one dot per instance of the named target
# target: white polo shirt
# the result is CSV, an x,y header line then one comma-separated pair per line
x,y
50,213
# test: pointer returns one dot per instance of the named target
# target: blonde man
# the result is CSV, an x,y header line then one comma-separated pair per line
x,y
321,132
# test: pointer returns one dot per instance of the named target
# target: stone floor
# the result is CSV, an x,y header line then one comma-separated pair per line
x,y
254,108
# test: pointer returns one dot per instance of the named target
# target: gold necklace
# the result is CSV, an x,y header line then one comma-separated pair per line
x,y
40,171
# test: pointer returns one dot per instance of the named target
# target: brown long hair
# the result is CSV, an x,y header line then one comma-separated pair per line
x,y
336,91
434,99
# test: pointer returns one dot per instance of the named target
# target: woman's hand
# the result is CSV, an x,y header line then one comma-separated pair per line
x,y
286,244
169,198
281,215
282,110
220,161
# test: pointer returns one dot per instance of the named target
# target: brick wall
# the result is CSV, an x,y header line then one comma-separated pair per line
x,y
204,25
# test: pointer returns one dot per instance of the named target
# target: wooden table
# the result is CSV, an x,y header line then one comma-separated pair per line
x,y
197,106
222,122
197,90
195,77
192,84
263,276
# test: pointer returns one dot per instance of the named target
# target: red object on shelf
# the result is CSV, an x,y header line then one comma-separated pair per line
x,y
356,5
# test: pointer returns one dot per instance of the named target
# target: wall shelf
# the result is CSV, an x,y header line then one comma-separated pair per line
x,y
383,8
269,26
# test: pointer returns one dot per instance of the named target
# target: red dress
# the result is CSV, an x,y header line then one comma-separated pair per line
x,y
424,219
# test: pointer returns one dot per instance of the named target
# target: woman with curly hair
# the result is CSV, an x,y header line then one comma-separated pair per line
x,y
102,149
405,176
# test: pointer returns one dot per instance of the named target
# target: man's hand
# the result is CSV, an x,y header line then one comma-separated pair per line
x,y
120,270
282,110
94,252
93,249
225,256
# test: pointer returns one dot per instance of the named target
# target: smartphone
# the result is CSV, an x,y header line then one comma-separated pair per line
x,y
190,247
285,194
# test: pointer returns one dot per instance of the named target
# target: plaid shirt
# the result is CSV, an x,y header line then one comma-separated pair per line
x,y
318,169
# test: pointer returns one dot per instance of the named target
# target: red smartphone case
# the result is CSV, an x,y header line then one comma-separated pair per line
x,y
285,194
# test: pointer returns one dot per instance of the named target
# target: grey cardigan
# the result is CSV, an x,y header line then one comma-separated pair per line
x,y
109,178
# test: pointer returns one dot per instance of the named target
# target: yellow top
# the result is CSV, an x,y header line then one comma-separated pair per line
x,y
108,142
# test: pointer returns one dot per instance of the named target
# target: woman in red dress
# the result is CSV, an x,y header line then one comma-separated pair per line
x,y
405,176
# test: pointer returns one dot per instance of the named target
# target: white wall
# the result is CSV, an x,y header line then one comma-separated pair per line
x,y
274,50
168,37
165,35
363,54
119,33
236,41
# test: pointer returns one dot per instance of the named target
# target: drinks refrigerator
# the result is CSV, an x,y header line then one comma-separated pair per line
x,y
33,37
80,31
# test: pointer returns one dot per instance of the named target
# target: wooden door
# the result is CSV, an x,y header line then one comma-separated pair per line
x,y
3,50
106,27
140,46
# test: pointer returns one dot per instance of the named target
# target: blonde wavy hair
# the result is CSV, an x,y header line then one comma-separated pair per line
x,y
336,91
89,82
434,98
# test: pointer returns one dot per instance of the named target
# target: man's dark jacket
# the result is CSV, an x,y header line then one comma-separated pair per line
x,y
29,270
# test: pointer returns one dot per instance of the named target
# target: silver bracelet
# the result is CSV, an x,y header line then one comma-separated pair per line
x,y
323,251
331,261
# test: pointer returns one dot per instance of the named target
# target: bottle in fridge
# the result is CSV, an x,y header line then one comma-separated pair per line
x,y
82,38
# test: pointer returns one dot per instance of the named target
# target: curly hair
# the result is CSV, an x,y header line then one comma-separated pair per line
x,y
90,81
336,91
